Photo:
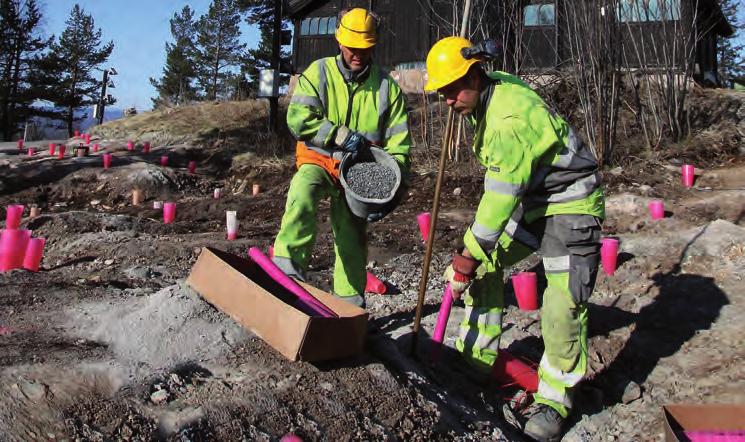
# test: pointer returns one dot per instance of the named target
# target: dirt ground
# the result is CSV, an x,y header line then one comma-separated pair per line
x,y
107,342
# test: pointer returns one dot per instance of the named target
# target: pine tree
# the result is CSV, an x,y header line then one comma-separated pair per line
x,y
731,56
20,47
219,48
177,83
72,66
261,14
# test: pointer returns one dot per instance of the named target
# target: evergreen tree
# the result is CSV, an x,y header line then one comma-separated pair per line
x,y
177,83
731,56
261,14
20,47
219,48
71,69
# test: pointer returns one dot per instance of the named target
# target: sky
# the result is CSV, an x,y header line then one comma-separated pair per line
x,y
139,30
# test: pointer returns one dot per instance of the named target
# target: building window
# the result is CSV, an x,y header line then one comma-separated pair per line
x,y
323,26
314,26
332,25
318,26
539,15
631,11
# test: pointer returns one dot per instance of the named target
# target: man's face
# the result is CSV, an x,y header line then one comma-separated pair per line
x,y
462,95
356,59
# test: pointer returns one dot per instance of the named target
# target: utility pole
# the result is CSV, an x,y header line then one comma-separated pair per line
x,y
102,98
276,51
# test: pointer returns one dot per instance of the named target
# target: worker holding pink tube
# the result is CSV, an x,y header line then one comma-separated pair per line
x,y
542,192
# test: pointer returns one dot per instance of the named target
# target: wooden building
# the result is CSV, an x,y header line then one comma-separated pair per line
x,y
539,35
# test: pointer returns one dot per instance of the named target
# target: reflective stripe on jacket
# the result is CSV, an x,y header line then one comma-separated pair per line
x,y
532,157
328,96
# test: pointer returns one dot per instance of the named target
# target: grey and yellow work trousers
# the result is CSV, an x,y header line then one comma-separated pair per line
x,y
569,245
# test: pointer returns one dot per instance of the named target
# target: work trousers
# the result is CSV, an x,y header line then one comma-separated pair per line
x,y
569,245
297,234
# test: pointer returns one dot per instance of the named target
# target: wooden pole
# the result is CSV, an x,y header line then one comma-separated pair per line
x,y
446,141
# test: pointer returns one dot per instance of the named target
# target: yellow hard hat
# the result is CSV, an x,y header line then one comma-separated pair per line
x,y
357,29
446,64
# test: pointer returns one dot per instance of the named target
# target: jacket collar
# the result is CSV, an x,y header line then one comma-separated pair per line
x,y
486,95
348,75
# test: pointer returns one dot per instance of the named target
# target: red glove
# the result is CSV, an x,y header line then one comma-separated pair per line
x,y
460,273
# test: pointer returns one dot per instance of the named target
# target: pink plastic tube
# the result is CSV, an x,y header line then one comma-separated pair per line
x,y
77,133
424,220
609,255
375,285
52,148
13,248
526,290
508,369
87,138
13,215
688,175
442,322
130,145
30,151
192,166
146,147
20,144
306,302
657,209
107,160
95,147
169,212
164,160
61,151
34,252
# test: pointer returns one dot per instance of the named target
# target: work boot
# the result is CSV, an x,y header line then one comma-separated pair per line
x,y
539,422
358,300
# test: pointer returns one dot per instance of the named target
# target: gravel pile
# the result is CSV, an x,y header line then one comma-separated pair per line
x,y
371,180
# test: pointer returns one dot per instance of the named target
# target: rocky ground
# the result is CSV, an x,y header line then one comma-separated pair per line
x,y
107,342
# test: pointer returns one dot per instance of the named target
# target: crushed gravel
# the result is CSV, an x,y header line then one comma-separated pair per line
x,y
371,180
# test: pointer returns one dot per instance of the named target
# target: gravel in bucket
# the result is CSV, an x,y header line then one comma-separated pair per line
x,y
371,180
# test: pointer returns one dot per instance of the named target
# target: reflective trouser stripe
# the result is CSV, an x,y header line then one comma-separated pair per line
x,y
297,233
564,330
556,264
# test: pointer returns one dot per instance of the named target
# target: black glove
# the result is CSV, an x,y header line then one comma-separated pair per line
x,y
352,142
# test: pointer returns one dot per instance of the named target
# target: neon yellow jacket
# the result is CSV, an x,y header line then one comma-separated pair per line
x,y
328,95
532,157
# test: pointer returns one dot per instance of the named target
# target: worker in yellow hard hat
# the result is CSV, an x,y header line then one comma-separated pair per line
x,y
340,106
542,192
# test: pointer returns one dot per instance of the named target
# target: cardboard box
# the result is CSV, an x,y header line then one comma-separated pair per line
x,y
252,298
700,417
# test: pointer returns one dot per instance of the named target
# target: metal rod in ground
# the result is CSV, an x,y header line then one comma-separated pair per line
x,y
432,225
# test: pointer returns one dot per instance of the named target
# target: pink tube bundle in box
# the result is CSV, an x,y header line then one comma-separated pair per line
x,y
305,301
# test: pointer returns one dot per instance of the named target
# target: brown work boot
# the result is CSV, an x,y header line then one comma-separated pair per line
x,y
539,422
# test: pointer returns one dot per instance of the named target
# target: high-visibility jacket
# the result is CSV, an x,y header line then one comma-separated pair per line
x,y
532,157
328,95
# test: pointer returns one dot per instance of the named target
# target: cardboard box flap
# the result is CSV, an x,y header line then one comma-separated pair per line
x,y
239,288
707,417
